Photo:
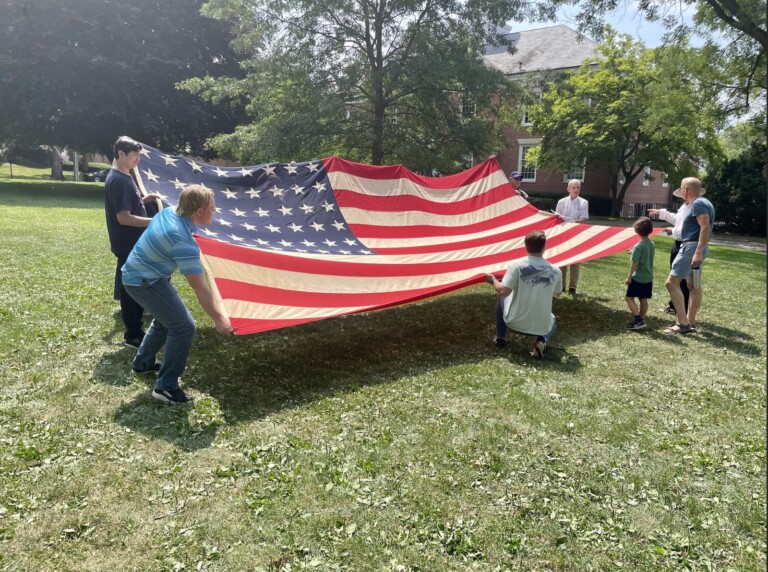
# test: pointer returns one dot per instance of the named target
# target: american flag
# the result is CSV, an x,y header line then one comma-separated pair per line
x,y
298,242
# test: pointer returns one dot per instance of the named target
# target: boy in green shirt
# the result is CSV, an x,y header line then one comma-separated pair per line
x,y
640,278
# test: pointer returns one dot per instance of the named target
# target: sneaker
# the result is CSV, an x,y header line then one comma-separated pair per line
x,y
572,291
171,396
538,348
500,343
134,342
154,369
636,325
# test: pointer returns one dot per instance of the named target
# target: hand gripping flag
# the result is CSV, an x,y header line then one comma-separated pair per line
x,y
297,242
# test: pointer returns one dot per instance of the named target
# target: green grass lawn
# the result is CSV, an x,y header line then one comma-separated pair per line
x,y
398,440
22,173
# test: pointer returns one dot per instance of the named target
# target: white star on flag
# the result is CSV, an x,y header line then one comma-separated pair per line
x,y
261,212
269,169
330,242
253,193
286,243
210,232
295,227
169,160
237,212
319,186
327,206
307,243
237,238
245,172
229,194
277,191
285,210
317,226
298,189
195,167
292,168
307,209
313,167
178,184
273,228
338,224
224,222
220,172
248,226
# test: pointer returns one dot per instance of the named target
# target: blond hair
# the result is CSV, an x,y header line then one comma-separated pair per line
x,y
192,198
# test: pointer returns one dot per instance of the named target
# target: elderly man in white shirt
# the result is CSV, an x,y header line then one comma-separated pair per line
x,y
675,219
572,209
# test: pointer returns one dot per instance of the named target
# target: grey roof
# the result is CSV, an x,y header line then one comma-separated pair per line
x,y
552,48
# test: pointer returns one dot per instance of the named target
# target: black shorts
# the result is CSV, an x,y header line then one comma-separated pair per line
x,y
642,290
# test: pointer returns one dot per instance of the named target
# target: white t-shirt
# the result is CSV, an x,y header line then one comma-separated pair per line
x,y
533,281
575,209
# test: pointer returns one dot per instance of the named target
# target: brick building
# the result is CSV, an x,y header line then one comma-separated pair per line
x,y
560,49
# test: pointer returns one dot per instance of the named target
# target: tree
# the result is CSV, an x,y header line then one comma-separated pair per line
x,y
80,74
375,81
735,47
633,108
737,191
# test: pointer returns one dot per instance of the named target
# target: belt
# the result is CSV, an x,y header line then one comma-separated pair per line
x,y
688,241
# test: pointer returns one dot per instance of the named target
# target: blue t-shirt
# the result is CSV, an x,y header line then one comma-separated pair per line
x,y
166,245
691,228
121,194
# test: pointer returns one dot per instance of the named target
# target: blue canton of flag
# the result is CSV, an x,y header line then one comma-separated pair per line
x,y
278,206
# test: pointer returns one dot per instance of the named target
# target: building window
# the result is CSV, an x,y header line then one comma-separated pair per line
x,y
576,172
526,117
664,180
527,170
468,106
393,115
646,176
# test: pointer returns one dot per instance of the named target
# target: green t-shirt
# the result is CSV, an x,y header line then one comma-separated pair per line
x,y
642,253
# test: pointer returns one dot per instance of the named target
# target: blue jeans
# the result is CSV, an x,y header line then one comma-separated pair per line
x,y
172,327
501,325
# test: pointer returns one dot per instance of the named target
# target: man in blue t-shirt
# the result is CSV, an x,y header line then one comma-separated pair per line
x,y
695,234
126,220
166,246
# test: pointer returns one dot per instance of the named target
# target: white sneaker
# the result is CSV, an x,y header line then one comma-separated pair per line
x,y
538,349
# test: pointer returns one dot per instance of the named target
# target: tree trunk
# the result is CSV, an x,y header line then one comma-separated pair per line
x,y
57,169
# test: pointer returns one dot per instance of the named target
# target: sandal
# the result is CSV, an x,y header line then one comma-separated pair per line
x,y
679,328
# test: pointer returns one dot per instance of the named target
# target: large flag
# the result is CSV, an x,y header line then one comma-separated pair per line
x,y
297,242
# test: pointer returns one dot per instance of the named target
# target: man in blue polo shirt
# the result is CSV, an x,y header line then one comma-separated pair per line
x,y
166,245
695,234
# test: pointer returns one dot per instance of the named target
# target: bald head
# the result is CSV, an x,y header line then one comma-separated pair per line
x,y
692,184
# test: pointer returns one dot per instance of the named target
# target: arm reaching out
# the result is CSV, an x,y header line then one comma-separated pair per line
x,y
209,303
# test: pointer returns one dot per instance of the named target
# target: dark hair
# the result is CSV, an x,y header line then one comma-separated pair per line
x,y
535,242
643,226
126,145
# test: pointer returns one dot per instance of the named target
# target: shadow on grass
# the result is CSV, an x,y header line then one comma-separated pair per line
x,y
251,377
183,425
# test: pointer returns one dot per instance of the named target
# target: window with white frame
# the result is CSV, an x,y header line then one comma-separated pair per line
x,y
468,106
526,117
575,172
646,176
393,114
527,170
664,180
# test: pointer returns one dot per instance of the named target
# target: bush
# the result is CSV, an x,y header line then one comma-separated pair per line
x,y
737,191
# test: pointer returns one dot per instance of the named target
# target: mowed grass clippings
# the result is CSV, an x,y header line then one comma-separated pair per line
x,y
395,440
